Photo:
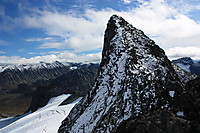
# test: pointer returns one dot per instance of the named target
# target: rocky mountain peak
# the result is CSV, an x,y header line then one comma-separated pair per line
x,y
184,61
187,64
135,78
120,35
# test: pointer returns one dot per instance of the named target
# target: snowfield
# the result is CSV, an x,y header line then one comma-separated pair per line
x,y
184,67
46,119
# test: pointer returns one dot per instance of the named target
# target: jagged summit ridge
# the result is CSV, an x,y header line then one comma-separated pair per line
x,y
134,78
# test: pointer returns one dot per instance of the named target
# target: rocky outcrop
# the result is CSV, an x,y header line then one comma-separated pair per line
x,y
164,121
135,79
158,122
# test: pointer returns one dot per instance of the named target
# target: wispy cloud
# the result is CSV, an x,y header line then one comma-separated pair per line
x,y
56,45
78,33
8,23
178,52
2,42
31,53
62,57
84,31
21,50
127,1
39,39
185,6
2,52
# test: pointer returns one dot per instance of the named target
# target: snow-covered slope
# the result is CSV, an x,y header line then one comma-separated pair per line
x,y
183,75
46,119
184,67
184,63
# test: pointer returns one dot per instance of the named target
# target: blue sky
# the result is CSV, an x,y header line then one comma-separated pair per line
x,y
72,30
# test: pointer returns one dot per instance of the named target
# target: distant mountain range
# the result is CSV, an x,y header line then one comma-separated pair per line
x,y
18,83
13,75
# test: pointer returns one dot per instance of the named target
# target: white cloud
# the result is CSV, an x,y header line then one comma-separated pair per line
x,y
31,53
2,42
2,52
127,1
21,50
130,1
8,23
78,33
158,18
51,45
185,6
178,52
62,57
39,39
84,32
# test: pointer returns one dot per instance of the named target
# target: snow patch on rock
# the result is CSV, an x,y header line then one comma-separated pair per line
x,y
171,93
184,67
180,113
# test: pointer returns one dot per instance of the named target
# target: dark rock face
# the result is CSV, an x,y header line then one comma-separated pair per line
x,y
76,82
164,121
159,122
191,99
188,64
135,80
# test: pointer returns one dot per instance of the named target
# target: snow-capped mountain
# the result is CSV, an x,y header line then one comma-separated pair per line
x,y
135,81
33,66
188,65
12,75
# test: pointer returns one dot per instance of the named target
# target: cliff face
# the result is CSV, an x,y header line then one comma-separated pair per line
x,y
135,78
